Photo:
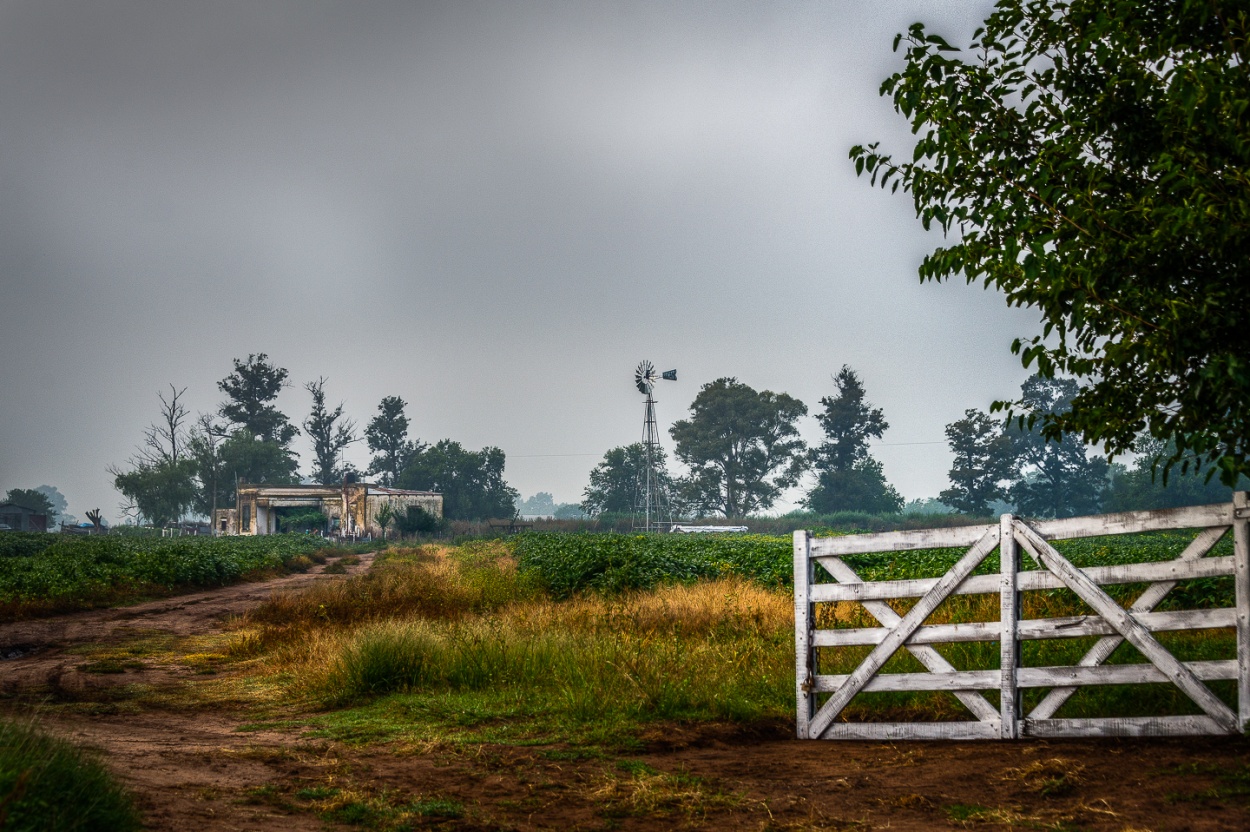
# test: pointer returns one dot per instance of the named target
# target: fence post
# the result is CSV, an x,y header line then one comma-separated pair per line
x,y
1008,619
804,658
1241,581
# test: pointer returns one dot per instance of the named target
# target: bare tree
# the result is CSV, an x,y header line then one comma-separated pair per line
x,y
166,440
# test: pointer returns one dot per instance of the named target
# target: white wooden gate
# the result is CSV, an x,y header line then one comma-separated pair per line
x,y
1114,623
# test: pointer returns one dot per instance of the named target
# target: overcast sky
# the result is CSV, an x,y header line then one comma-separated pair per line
x,y
492,210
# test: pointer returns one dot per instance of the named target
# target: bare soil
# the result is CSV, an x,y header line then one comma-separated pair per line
x,y
194,769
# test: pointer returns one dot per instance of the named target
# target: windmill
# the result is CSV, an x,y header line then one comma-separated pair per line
x,y
652,509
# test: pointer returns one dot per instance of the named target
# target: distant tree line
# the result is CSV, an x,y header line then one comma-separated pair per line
x,y
186,466
741,449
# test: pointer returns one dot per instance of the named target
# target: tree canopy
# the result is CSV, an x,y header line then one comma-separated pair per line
x,y
330,433
1060,477
984,464
471,482
251,388
742,448
1090,159
387,437
847,477
613,487
35,500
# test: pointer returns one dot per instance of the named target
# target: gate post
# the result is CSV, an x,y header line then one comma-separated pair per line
x,y
1008,619
804,653
1241,582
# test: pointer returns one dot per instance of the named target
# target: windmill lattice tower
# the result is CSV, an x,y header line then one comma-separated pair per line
x,y
653,510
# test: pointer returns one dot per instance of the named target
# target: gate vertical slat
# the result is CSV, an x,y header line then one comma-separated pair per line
x,y
804,658
1241,579
1008,622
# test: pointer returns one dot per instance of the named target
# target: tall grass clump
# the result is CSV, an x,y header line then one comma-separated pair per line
x,y
46,784
717,650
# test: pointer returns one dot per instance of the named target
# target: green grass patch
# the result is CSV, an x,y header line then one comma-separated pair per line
x,y
48,784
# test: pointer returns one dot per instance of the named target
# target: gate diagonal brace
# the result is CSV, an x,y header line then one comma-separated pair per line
x,y
1146,602
1127,626
927,655
906,626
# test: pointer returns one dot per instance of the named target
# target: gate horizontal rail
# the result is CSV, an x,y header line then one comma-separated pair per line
x,y
1112,623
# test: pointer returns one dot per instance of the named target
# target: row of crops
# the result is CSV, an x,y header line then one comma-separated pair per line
x,y
59,569
568,563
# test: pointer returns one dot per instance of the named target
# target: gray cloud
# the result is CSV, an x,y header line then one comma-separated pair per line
x,y
493,210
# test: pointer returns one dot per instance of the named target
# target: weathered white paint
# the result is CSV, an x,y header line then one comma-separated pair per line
x,y
928,656
1127,626
1140,609
1128,573
1112,622
917,614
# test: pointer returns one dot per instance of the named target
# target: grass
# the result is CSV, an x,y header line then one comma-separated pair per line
x,y
471,644
48,784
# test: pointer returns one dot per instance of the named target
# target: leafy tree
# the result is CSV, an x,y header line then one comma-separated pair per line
x,y
742,447
386,514
862,487
160,485
471,482
1060,478
542,504
161,492
204,448
1144,486
1089,158
251,388
984,465
847,478
33,499
613,487
387,437
253,459
330,434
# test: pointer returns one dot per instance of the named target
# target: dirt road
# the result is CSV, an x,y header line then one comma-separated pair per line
x,y
196,770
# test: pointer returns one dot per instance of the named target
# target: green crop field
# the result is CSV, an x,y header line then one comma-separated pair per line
x,y
49,572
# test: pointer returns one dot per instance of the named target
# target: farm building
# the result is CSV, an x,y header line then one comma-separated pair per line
x,y
22,519
349,509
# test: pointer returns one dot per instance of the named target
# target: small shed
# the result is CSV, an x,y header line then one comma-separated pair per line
x,y
22,519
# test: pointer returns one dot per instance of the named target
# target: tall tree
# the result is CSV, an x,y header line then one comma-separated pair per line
x,y
330,433
742,447
614,482
251,459
161,492
160,484
165,441
251,389
204,448
471,482
1089,158
387,437
984,465
1060,477
847,477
